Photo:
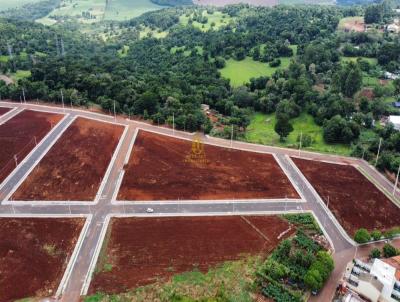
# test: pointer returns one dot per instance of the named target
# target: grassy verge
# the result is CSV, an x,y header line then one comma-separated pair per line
x,y
261,131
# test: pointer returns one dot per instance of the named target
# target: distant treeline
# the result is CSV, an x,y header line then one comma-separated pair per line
x,y
172,2
31,11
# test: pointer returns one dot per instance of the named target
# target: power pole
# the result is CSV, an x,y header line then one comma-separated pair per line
x,y
115,115
57,46
379,151
397,180
62,100
301,138
23,93
231,135
173,123
62,48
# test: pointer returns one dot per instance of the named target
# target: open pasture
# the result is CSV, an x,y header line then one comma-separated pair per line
x,y
140,251
161,168
34,253
75,166
353,199
19,135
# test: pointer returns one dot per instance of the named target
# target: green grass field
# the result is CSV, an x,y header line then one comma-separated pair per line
x,y
20,74
218,19
240,72
372,61
261,131
3,59
145,32
126,9
6,4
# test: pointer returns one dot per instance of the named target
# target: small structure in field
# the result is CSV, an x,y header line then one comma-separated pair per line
x,y
395,120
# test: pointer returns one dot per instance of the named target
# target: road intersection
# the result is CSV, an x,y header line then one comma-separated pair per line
x,y
80,269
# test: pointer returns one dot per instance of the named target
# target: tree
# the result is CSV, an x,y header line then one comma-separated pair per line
x,y
373,14
376,234
362,236
375,253
283,126
338,130
313,280
389,250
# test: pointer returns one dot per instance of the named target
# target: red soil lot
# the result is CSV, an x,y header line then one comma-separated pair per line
x,y
17,136
34,253
144,250
4,110
75,166
353,199
158,170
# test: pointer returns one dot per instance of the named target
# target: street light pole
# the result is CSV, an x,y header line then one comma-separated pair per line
x,y
115,114
379,151
397,180
62,100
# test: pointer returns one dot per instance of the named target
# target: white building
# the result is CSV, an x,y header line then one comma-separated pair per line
x,y
375,283
395,120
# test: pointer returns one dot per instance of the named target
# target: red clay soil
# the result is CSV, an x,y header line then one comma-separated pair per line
x,y
75,166
353,199
4,110
145,250
34,253
159,170
17,136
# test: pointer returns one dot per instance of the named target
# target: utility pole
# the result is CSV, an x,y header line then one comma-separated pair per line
x,y
62,100
379,151
173,123
231,135
301,138
397,180
23,94
115,114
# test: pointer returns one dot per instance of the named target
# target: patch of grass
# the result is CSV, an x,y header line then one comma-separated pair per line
x,y
121,10
261,131
3,59
107,267
369,81
215,20
372,61
232,280
145,32
123,52
240,72
20,74
50,249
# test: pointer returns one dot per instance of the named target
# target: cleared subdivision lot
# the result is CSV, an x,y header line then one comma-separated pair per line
x,y
353,199
19,136
34,253
75,166
140,251
4,110
167,168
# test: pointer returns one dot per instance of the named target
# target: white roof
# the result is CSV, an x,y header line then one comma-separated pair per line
x,y
394,119
385,274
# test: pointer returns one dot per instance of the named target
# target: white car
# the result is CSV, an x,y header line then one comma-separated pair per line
x,y
149,210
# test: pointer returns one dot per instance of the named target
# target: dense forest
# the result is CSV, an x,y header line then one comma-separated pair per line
x,y
158,77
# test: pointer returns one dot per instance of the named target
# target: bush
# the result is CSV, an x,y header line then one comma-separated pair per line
x,y
376,234
389,251
375,253
362,236
319,271
275,63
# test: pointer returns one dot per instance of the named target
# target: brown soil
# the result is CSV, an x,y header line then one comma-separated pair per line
x,y
229,2
74,167
354,25
17,136
159,170
34,253
143,250
4,110
353,199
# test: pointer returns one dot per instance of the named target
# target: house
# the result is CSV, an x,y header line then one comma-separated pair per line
x,y
375,282
391,76
396,104
393,28
395,120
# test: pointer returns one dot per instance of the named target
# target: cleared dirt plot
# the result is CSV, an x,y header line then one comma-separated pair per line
x,y
353,199
4,110
160,168
19,135
75,166
34,253
140,251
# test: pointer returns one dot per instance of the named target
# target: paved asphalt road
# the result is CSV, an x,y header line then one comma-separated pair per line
x,y
344,249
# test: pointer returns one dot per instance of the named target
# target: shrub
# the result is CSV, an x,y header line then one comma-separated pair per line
x,y
362,236
389,251
375,253
275,63
376,234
